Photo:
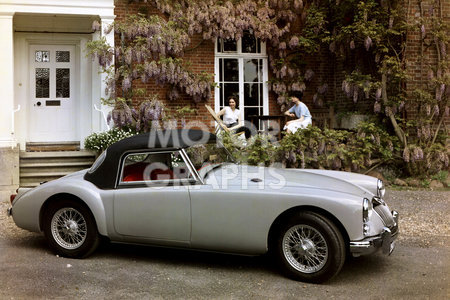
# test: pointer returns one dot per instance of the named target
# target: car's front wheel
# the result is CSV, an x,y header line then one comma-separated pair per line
x,y
309,248
70,228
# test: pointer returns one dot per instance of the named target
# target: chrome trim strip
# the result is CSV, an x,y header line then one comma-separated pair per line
x,y
190,166
9,212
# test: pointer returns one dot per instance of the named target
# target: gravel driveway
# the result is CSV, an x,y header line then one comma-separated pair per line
x,y
418,269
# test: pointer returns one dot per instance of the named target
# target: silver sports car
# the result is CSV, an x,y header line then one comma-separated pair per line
x,y
152,189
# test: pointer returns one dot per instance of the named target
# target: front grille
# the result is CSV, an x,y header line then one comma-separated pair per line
x,y
385,215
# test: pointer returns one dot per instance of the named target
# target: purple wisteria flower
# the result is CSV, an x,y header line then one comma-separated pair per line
x,y
322,89
378,94
368,43
309,74
377,107
126,83
333,47
436,110
352,44
294,42
355,95
406,155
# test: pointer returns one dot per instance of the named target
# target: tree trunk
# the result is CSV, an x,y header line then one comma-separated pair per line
x,y
398,131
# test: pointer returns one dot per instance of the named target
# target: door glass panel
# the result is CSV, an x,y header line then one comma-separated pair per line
x,y
42,76
251,94
231,70
62,83
251,70
42,56
62,56
251,111
229,89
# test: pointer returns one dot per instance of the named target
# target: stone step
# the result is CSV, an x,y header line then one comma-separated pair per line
x,y
56,157
52,146
68,167
36,167
54,174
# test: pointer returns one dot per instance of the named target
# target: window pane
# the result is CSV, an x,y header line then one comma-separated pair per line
x,y
62,83
250,70
251,94
42,56
62,56
250,44
231,70
229,46
230,89
42,76
155,166
250,111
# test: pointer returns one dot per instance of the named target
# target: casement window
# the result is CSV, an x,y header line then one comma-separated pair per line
x,y
241,70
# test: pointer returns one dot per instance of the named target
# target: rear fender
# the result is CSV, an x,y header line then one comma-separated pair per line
x,y
90,199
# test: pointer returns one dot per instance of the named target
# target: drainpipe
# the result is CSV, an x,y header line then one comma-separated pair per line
x,y
104,116
12,122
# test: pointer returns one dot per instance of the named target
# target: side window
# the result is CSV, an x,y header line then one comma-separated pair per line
x,y
154,166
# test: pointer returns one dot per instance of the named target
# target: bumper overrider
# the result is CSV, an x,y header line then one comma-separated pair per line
x,y
384,241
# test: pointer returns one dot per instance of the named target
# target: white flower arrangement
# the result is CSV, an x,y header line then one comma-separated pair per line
x,y
102,140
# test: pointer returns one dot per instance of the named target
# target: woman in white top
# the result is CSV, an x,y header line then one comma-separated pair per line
x,y
299,111
232,117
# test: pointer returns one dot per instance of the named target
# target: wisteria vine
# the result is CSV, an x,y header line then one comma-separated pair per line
x,y
369,37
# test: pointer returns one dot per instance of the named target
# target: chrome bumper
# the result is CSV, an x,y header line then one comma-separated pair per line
x,y
385,241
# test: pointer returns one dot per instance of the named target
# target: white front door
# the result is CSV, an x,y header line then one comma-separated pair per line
x,y
53,110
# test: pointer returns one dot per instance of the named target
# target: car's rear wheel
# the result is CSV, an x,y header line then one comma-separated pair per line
x,y
309,248
70,228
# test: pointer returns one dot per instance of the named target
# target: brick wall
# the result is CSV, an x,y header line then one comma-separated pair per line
x,y
201,57
418,68
327,67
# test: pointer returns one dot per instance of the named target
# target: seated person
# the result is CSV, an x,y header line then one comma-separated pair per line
x,y
299,111
232,117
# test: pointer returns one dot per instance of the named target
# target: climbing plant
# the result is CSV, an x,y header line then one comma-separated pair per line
x,y
367,38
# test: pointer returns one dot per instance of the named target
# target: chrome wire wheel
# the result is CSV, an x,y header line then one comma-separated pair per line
x,y
305,248
68,228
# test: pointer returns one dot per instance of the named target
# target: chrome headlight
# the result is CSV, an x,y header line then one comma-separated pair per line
x,y
367,213
381,190
367,209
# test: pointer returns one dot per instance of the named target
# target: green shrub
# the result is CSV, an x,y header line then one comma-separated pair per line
x,y
315,148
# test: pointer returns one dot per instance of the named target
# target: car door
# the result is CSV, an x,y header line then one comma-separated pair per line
x,y
151,200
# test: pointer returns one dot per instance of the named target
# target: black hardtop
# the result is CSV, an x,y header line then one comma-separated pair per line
x,y
105,175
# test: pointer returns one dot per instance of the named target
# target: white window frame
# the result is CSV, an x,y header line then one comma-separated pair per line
x,y
240,57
